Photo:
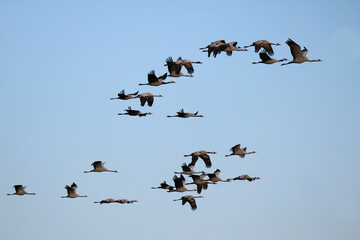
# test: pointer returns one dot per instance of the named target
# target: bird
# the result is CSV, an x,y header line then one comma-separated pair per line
x,y
268,60
187,169
20,190
299,56
200,182
263,44
132,112
99,167
164,185
230,47
214,177
180,184
147,97
236,150
215,47
186,63
156,81
71,191
203,155
182,114
245,177
174,68
123,96
122,201
190,199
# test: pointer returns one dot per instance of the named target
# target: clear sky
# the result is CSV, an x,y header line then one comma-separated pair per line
x,y
61,61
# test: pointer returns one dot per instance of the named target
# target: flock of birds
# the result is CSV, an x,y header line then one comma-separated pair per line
x,y
199,178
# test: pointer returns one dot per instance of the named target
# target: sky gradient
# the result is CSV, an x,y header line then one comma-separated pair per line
x,y
60,63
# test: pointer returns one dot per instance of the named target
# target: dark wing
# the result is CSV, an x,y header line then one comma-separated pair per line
x,y
152,77
18,188
185,167
257,46
163,77
132,111
181,113
96,164
268,48
73,186
191,166
178,182
150,100
164,185
183,200
183,181
194,158
189,67
206,159
121,93
264,57
172,66
211,175
142,100
198,188
294,47
217,172
192,203
235,148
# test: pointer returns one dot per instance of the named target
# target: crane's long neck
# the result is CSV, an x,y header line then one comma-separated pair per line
x,y
241,49
143,84
287,63
250,152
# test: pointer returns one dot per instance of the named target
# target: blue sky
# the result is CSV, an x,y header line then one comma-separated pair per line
x,y
60,63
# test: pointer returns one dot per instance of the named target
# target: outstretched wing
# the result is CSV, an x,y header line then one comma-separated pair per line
x,y
142,100
294,47
268,48
263,56
96,164
192,203
206,159
235,148
152,77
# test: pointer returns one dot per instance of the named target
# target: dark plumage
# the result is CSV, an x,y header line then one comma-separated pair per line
x,y
299,56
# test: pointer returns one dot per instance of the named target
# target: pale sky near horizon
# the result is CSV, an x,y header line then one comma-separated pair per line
x,y
61,61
